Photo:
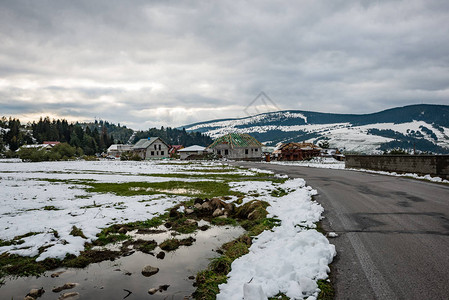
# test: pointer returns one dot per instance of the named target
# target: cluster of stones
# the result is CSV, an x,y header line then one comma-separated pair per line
x,y
36,293
214,207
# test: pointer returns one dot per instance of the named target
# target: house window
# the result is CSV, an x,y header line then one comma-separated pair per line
x,y
159,147
219,152
157,153
246,151
155,147
162,152
226,152
152,153
256,149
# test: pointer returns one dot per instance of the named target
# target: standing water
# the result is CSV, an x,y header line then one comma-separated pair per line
x,y
122,278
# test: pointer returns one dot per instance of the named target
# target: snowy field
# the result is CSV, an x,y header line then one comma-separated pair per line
x,y
47,199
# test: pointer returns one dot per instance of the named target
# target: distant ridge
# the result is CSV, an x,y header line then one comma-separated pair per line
x,y
424,127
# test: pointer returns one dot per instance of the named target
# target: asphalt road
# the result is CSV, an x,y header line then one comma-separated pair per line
x,y
393,232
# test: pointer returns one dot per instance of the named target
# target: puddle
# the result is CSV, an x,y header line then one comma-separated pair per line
x,y
110,279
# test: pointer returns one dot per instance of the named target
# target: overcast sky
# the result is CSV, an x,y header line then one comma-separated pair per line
x,y
171,63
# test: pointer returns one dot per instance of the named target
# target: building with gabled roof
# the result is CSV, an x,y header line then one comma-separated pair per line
x,y
115,150
192,150
174,150
150,148
298,151
240,146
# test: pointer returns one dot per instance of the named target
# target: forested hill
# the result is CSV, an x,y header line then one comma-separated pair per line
x,y
421,127
93,137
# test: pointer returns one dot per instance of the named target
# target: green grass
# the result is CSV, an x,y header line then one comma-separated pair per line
x,y
173,244
207,281
279,192
203,188
77,232
50,207
145,246
327,291
224,221
104,239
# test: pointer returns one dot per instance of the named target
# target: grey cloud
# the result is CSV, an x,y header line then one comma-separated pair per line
x,y
114,59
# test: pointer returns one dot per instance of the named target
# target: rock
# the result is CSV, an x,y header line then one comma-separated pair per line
x,y
197,206
56,274
191,222
147,271
68,295
66,286
168,224
189,211
198,201
206,206
191,277
218,212
174,213
122,230
29,298
161,255
163,287
252,215
217,203
229,207
128,273
223,216
35,293
153,291
204,227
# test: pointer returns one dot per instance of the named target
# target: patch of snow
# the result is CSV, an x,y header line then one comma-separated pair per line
x,y
316,162
290,258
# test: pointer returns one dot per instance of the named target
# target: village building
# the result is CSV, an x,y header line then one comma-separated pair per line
x,y
116,150
174,150
192,150
151,148
298,151
240,146
332,152
268,152
47,145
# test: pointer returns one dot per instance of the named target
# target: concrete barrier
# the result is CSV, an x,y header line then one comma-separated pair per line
x,y
435,165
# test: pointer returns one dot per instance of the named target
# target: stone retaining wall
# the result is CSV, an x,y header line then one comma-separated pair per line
x,y
436,165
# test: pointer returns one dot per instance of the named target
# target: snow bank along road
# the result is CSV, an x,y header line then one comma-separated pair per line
x,y
393,232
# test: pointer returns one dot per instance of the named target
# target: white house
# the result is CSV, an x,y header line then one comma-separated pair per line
x,y
117,149
152,147
192,150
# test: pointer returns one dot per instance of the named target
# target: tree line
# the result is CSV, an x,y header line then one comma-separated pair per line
x,y
174,136
91,138
14,135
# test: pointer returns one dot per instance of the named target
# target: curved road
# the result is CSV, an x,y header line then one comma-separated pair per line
x,y
393,232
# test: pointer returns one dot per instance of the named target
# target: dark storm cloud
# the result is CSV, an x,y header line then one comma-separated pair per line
x,y
146,63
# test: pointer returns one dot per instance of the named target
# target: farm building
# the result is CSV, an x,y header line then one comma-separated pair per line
x,y
239,146
192,150
174,150
152,147
298,151
116,150
45,145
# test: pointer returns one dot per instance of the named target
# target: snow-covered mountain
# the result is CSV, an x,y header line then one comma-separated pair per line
x,y
425,127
